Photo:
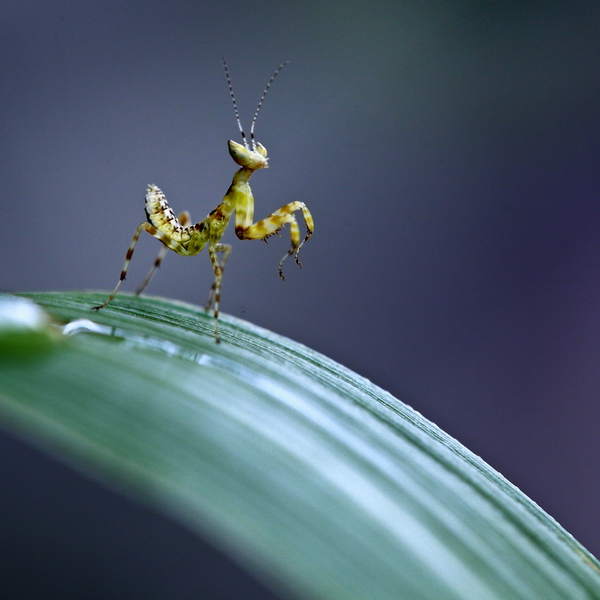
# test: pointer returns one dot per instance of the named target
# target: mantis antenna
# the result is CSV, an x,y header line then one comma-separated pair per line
x,y
262,98
260,102
237,114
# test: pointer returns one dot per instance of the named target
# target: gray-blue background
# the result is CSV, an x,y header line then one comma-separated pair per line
x,y
450,155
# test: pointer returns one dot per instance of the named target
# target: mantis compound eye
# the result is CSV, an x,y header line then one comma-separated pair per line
x,y
261,149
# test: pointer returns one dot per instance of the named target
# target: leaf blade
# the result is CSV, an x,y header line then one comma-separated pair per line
x,y
303,470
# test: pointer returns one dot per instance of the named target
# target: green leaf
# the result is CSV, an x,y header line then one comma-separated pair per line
x,y
303,471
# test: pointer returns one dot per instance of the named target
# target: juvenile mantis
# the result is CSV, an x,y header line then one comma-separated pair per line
x,y
179,235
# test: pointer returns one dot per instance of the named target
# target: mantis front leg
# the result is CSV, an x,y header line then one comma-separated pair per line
x,y
271,225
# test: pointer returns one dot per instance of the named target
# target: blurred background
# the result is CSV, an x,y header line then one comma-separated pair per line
x,y
448,151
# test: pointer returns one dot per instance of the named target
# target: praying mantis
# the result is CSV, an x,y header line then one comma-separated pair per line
x,y
181,236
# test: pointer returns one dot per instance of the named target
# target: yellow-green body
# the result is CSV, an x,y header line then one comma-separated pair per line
x,y
177,234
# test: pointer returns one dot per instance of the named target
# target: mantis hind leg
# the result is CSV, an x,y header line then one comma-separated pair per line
x,y
154,232
185,220
157,262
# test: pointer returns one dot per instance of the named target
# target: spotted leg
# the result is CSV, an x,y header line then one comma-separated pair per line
x,y
214,296
153,231
273,223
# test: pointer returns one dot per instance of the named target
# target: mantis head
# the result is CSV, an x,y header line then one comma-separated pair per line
x,y
251,156
248,158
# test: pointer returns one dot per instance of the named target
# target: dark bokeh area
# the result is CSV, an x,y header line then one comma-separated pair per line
x,y
64,536
449,153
